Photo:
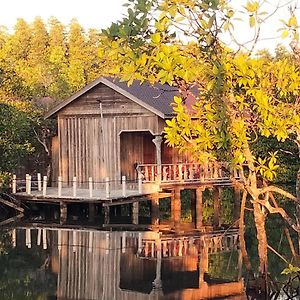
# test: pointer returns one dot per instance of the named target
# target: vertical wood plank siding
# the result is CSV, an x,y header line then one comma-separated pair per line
x,y
89,146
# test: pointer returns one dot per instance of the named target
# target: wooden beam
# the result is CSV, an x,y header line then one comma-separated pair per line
x,y
177,208
217,206
199,207
12,219
12,205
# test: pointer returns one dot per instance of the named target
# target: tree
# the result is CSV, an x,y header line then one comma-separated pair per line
x,y
58,61
76,56
239,97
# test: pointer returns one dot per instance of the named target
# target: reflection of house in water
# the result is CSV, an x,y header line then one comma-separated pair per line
x,y
94,264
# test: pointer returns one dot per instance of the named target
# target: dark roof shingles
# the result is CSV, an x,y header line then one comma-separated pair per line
x,y
158,96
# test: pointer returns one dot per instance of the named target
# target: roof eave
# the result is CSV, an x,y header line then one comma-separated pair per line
x,y
52,113
133,98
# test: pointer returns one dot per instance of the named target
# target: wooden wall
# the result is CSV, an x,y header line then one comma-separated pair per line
x,y
89,144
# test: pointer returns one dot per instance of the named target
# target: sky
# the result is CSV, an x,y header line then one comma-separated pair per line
x,y
90,13
101,13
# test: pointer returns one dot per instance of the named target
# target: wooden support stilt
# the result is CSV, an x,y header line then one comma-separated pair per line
x,y
106,214
92,210
135,213
217,206
177,208
63,212
199,208
157,283
155,210
172,202
193,205
203,263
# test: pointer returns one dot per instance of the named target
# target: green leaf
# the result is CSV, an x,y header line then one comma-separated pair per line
x,y
155,38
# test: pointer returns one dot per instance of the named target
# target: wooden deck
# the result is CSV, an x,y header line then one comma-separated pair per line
x,y
82,195
152,179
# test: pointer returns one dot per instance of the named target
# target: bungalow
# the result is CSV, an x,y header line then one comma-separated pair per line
x,y
108,128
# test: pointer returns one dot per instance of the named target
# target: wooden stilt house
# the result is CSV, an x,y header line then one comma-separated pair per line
x,y
107,128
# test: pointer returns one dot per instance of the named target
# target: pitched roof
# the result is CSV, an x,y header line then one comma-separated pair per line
x,y
157,98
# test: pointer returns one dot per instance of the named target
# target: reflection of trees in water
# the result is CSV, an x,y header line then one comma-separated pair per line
x,y
223,266
23,272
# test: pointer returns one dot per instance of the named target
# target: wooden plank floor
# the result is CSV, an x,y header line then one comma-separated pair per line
x,y
82,195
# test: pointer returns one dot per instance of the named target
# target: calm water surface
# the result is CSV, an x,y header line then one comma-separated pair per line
x,y
39,262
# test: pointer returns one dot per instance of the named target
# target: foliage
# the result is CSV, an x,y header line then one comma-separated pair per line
x,y
20,273
39,60
15,126
238,97
290,270
39,64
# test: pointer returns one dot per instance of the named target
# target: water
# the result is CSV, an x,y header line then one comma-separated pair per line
x,y
60,262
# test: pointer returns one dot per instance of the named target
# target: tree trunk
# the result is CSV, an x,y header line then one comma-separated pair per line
x,y
260,218
297,206
244,252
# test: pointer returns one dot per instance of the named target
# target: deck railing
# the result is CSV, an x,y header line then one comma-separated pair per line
x,y
38,185
184,172
217,241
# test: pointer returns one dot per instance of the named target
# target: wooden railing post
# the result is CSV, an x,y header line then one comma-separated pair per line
x,y
39,180
44,185
26,183
146,173
44,239
140,183
14,184
28,237
74,186
59,186
164,173
29,185
107,188
180,171
91,187
124,186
